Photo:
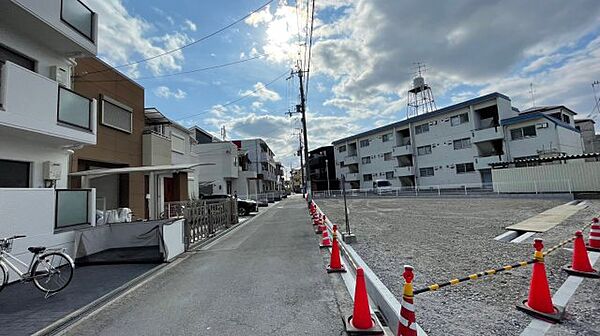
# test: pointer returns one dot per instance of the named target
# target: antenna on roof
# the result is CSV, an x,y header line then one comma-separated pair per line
x,y
223,133
532,94
596,100
420,95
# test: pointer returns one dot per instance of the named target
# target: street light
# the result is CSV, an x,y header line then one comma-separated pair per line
x,y
327,170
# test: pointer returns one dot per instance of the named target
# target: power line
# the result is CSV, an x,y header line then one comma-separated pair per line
x,y
264,86
312,24
171,74
187,44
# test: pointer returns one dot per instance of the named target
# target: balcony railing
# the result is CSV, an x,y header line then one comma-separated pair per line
x,y
483,162
352,177
74,109
72,207
35,103
404,171
488,134
402,150
351,159
79,17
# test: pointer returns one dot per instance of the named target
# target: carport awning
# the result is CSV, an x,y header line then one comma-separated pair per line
x,y
143,169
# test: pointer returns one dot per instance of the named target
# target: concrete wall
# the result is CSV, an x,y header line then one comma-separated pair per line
x,y
551,138
576,176
19,219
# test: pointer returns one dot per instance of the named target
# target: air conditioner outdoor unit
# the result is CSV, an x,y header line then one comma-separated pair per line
x,y
60,74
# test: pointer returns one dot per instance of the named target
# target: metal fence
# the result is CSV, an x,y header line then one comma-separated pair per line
x,y
472,189
268,197
203,218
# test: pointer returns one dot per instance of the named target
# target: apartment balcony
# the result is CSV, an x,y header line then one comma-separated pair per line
x,y
267,175
66,26
265,157
404,171
352,177
488,134
32,104
156,149
483,162
402,150
351,159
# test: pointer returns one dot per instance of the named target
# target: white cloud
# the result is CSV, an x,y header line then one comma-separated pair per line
x,y
260,17
167,93
369,55
123,37
190,25
262,93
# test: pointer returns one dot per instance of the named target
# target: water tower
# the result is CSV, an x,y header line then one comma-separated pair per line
x,y
420,96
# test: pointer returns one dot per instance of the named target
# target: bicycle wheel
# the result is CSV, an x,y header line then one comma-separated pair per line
x,y
52,272
3,276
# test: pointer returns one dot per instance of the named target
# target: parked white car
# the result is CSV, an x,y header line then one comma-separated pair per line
x,y
382,186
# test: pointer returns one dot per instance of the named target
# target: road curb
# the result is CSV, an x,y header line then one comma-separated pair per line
x,y
71,319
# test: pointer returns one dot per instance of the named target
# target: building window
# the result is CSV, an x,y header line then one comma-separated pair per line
x,y
341,164
424,172
459,119
421,128
387,156
342,148
14,174
462,143
78,16
368,177
17,58
386,137
389,175
462,168
364,143
424,150
523,132
116,115
177,143
566,119
366,160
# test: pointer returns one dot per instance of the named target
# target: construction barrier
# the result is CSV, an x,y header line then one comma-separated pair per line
x,y
580,262
594,239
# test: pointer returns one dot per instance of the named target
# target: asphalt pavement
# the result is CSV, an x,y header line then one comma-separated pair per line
x,y
266,277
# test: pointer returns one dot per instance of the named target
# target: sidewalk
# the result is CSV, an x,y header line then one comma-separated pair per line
x,y
23,309
265,278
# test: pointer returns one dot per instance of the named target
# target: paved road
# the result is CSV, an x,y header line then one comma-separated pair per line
x,y
267,278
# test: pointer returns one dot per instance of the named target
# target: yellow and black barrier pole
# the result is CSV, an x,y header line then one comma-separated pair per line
x,y
473,276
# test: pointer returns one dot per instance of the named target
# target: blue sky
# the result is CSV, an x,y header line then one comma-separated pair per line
x,y
363,59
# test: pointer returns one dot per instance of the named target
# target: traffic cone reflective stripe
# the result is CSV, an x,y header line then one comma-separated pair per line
x,y
580,263
325,242
539,301
594,238
335,263
407,325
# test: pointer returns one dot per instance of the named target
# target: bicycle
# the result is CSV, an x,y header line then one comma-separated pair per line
x,y
51,270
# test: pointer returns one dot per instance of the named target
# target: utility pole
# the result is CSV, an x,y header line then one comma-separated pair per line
x,y
327,172
300,154
305,133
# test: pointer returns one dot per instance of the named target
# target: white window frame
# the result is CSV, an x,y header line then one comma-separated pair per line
x,y
364,141
463,118
109,100
461,143
426,169
419,128
365,158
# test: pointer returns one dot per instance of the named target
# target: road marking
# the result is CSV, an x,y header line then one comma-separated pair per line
x,y
560,298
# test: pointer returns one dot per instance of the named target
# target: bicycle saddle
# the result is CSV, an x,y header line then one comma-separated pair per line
x,y
36,249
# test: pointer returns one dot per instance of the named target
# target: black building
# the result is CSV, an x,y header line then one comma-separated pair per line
x,y
320,160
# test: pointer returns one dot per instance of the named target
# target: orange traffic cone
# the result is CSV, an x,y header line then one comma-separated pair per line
x,y
407,326
321,227
361,322
325,242
335,263
539,302
594,241
580,263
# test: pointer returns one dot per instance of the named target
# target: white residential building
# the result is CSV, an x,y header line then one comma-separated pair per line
x,y
455,144
262,161
42,120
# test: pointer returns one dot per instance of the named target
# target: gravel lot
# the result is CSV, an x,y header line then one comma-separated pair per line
x,y
450,238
